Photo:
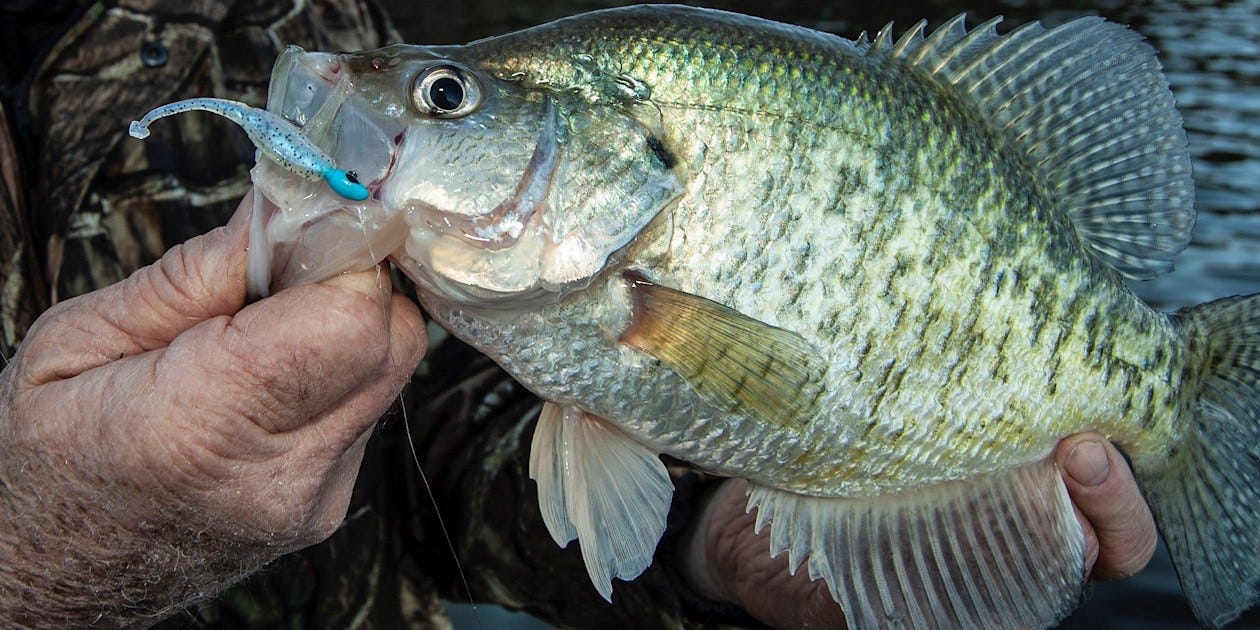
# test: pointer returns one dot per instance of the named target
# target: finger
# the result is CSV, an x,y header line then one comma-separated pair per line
x,y
725,560
283,361
337,441
359,410
198,280
1102,487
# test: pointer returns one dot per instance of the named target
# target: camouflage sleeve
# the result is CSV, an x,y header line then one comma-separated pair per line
x,y
20,287
106,205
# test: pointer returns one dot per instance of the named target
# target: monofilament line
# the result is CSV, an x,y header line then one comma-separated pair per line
x,y
438,512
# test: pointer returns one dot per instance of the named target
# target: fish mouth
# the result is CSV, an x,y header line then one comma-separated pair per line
x,y
302,230
316,92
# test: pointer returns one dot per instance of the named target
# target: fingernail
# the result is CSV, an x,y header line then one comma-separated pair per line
x,y
1088,463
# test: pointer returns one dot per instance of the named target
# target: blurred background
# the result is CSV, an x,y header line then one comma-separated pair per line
x,y
1211,54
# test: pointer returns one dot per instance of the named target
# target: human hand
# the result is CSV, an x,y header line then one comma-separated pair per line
x,y
160,438
725,560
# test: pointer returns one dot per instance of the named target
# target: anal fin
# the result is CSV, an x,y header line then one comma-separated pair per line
x,y
1001,551
600,486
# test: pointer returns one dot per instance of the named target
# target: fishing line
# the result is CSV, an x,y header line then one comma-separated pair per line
x,y
415,457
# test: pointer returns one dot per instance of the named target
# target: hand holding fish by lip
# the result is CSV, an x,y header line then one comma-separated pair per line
x,y
160,438
725,559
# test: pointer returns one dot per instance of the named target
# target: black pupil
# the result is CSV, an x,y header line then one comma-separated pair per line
x,y
446,94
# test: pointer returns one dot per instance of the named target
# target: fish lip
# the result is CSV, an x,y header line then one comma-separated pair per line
x,y
503,226
326,66
301,82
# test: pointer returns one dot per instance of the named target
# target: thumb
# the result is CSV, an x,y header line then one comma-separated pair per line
x,y
1120,534
195,281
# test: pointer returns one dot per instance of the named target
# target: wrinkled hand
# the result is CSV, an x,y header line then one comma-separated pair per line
x,y
159,438
726,561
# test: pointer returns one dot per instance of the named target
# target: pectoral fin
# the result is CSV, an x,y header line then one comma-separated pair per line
x,y
599,485
733,361
1002,551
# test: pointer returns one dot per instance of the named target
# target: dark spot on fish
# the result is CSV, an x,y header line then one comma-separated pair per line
x,y
666,158
1090,326
1148,417
796,294
399,138
1054,373
998,370
898,314
352,176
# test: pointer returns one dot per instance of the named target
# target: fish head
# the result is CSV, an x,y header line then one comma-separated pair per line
x,y
490,183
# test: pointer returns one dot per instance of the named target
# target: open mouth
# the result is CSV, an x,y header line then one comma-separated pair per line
x,y
303,231
314,92
301,83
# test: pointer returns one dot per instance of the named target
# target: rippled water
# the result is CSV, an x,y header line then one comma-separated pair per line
x,y
1211,51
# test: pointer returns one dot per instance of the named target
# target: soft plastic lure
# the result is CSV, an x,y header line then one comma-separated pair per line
x,y
275,136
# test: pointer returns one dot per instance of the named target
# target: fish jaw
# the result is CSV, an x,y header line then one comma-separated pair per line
x,y
305,231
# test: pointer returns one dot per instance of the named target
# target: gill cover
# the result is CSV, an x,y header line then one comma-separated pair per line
x,y
530,194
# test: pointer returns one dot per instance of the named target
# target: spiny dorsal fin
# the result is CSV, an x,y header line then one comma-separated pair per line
x,y
1088,104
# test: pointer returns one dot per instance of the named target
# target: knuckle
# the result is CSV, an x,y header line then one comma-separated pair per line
x,y
264,386
1140,550
174,281
267,392
737,554
1127,545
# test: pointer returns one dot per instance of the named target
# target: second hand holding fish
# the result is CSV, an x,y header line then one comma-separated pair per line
x,y
722,557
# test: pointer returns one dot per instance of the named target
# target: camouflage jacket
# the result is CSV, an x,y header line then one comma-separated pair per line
x,y
82,206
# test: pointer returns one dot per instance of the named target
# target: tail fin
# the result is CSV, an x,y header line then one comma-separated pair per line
x,y
1207,499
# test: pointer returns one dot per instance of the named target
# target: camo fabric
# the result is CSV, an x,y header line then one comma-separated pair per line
x,y
82,206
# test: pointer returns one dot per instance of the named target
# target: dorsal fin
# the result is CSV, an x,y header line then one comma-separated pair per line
x,y
1088,104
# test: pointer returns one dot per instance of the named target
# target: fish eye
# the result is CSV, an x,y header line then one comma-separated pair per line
x,y
446,92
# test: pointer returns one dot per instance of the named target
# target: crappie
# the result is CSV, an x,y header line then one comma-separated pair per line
x,y
878,278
